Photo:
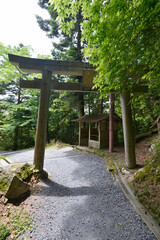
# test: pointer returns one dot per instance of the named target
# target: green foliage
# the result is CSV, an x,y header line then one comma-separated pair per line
x,y
150,172
157,150
34,169
17,124
18,223
122,39
146,183
4,231
61,112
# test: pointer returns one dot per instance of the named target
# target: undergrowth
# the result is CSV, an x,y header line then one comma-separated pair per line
x,y
147,183
56,144
15,225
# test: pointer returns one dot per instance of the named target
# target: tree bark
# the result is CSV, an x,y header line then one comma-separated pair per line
x,y
101,105
15,143
111,122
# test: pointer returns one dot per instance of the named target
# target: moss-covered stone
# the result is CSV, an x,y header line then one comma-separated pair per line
x,y
24,172
111,167
3,186
150,172
5,179
16,188
12,183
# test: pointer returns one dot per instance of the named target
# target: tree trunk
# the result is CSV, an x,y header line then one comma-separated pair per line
x,y
111,122
101,111
15,143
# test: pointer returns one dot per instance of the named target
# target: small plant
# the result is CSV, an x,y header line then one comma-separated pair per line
x,y
4,231
141,197
34,169
145,190
17,224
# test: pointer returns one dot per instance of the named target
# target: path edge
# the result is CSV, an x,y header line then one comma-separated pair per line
x,y
147,218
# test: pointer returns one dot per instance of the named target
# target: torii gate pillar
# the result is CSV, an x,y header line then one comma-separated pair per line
x,y
49,67
129,141
42,121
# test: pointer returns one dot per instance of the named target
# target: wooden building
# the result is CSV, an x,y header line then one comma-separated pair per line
x,y
94,130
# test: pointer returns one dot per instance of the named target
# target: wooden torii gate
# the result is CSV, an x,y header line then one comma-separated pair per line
x,y
47,68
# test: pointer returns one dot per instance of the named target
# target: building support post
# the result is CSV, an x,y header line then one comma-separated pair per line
x,y
42,122
111,122
128,132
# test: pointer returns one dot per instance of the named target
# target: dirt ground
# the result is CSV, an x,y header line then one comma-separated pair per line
x,y
143,153
147,191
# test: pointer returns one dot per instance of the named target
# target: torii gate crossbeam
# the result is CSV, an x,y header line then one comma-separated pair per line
x,y
47,68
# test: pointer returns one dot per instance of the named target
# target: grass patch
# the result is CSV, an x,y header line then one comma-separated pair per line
x,y
56,145
15,223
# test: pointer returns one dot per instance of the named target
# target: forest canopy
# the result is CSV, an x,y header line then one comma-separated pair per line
x,y
122,39
119,37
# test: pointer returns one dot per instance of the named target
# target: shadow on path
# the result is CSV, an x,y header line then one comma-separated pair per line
x,y
58,190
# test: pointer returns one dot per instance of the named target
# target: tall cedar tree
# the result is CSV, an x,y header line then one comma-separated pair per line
x,y
65,47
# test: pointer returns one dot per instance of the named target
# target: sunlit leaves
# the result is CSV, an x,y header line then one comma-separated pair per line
x,y
119,33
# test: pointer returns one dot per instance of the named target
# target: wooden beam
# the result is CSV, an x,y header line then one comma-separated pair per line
x,y
54,85
35,65
62,86
27,84
75,87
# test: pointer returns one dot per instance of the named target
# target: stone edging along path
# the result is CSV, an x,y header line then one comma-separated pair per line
x,y
151,223
147,218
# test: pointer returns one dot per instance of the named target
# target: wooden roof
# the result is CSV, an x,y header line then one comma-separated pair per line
x,y
36,65
97,118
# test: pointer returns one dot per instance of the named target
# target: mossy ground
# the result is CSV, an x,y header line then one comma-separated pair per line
x,y
14,221
146,182
16,216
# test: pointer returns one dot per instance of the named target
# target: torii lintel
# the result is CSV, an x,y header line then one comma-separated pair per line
x,y
35,65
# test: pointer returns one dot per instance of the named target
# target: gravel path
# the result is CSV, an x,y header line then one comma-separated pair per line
x,y
81,201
